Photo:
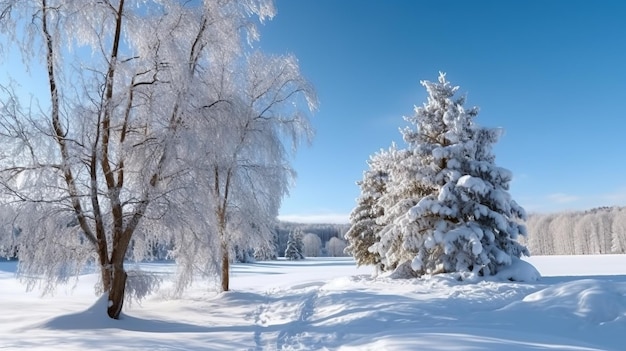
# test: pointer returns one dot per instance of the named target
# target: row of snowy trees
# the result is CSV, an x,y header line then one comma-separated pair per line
x,y
598,231
300,246
324,231
441,204
161,126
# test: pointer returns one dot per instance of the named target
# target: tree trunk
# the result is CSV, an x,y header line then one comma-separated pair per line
x,y
224,242
105,271
116,292
225,267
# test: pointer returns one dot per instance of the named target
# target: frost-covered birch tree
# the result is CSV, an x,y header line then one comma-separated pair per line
x,y
335,247
312,245
595,231
604,226
95,171
471,223
561,229
543,234
243,168
618,231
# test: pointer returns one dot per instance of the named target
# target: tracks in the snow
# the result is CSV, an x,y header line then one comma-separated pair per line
x,y
284,320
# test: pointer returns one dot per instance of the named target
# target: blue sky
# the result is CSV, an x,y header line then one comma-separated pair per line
x,y
551,73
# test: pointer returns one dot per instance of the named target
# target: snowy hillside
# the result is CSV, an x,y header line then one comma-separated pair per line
x,y
329,304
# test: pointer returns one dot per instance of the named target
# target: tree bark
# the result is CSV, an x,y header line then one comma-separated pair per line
x,y
116,292
225,268
221,217
105,271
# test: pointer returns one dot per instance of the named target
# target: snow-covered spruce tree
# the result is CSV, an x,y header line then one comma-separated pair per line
x,y
294,246
470,224
299,236
403,191
364,229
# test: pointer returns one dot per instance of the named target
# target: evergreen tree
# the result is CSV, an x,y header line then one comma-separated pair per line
x,y
403,191
470,223
364,229
299,236
295,246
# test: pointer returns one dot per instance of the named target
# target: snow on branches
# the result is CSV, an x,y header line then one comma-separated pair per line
x,y
160,129
462,218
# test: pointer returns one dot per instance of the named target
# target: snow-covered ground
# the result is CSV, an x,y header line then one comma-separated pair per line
x,y
329,304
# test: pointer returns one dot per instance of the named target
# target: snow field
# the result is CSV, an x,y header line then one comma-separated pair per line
x,y
329,304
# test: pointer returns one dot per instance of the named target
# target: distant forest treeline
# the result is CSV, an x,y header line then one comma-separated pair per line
x,y
324,231
597,231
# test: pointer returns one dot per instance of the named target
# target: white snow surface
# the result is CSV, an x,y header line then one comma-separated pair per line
x,y
330,304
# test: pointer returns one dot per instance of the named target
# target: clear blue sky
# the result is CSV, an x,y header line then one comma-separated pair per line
x,y
551,73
